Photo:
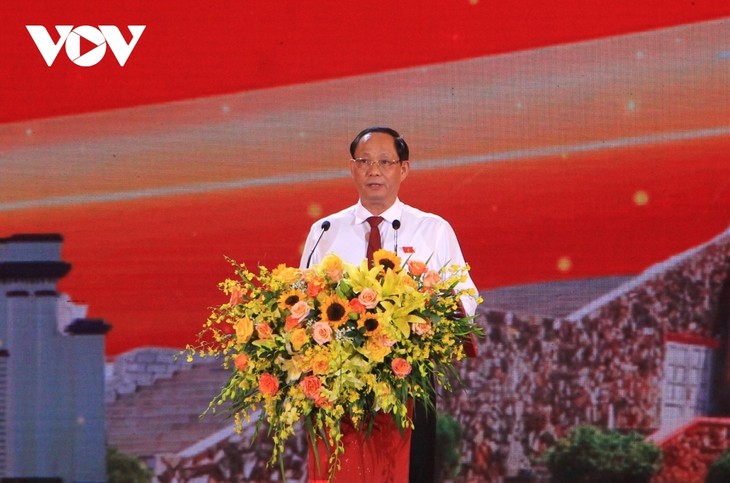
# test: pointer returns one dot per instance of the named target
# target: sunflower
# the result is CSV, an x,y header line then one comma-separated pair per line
x,y
387,259
291,297
370,321
334,310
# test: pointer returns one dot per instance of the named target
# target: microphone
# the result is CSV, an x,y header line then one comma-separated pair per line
x,y
325,227
396,225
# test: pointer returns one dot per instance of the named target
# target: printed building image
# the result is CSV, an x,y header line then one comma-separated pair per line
x,y
51,370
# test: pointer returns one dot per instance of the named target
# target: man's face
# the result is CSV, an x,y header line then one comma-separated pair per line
x,y
378,187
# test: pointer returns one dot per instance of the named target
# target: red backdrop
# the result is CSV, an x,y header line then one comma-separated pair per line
x,y
149,266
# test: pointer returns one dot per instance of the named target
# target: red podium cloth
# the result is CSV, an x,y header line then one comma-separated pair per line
x,y
471,349
382,456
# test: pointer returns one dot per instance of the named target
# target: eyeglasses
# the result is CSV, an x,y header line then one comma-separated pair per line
x,y
384,164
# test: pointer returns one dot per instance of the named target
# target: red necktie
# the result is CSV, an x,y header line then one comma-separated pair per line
x,y
374,238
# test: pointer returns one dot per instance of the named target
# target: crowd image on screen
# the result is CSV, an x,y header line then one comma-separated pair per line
x,y
538,377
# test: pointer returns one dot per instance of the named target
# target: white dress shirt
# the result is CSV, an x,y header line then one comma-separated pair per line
x,y
422,236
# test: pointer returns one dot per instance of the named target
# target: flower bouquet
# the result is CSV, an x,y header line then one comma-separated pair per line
x,y
335,341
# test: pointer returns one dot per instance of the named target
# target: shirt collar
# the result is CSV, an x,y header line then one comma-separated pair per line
x,y
389,215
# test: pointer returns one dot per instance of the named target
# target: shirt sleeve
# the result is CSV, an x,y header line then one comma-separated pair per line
x,y
451,254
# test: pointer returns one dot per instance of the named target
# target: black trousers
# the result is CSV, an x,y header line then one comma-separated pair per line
x,y
423,445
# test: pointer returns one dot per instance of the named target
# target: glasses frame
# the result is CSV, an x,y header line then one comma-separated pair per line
x,y
382,164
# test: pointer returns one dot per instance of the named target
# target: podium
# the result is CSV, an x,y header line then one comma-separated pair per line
x,y
381,456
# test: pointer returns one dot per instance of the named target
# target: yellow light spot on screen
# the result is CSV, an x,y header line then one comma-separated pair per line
x,y
565,264
641,198
314,210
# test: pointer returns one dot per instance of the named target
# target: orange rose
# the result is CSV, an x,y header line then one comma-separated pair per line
x,y
321,332
291,322
244,329
368,298
264,331
299,338
300,310
236,296
268,384
401,367
321,402
357,306
421,328
431,278
314,283
311,385
321,363
417,268
241,361
313,289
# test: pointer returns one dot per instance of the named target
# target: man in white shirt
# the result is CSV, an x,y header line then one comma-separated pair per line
x,y
380,162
